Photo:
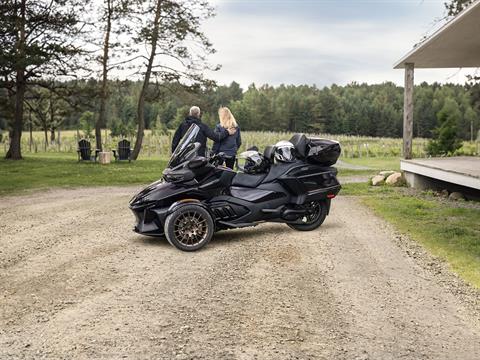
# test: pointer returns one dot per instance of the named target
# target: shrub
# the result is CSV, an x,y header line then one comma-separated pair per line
x,y
445,138
87,123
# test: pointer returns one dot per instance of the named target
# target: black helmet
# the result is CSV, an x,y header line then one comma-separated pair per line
x,y
252,162
284,151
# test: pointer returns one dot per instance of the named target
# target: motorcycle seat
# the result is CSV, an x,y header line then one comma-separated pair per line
x,y
248,180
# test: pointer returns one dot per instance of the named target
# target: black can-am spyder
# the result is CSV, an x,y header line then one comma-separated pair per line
x,y
197,197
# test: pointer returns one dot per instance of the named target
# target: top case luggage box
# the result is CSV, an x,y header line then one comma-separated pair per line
x,y
323,152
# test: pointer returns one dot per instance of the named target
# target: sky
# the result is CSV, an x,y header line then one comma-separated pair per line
x,y
321,41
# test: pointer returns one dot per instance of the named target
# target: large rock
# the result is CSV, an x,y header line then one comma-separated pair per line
x,y
378,180
386,173
456,196
396,179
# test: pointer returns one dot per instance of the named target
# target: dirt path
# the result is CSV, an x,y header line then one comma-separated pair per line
x,y
76,282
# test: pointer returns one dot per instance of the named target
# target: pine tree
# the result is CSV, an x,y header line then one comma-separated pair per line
x,y
445,139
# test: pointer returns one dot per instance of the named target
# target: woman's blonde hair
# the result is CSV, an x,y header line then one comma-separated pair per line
x,y
226,118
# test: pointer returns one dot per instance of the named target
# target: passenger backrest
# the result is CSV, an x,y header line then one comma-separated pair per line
x,y
269,153
300,141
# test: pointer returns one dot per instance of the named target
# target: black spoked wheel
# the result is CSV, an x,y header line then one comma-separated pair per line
x,y
315,216
189,228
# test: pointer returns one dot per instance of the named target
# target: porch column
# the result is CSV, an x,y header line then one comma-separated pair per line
x,y
408,111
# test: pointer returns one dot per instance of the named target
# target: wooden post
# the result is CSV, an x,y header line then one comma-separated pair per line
x,y
408,111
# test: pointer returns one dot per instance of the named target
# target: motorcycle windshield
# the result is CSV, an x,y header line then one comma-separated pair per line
x,y
186,148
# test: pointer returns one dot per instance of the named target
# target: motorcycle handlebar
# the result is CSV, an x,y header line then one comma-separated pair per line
x,y
216,158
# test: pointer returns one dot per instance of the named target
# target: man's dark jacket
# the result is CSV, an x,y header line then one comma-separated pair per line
x,y
204,133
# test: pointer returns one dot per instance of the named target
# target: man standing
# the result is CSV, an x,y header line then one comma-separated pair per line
x,y
205,131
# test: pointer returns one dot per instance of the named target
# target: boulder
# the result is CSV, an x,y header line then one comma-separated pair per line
x,y
386,173
456,196
395,179
444,193
378,180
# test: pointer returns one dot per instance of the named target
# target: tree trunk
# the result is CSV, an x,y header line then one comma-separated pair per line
x,y
45,131
31,130
471,130
101,121
15,150
52,120
148,72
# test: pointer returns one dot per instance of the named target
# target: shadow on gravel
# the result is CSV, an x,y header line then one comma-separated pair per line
x,y
265,230
150,241
226,237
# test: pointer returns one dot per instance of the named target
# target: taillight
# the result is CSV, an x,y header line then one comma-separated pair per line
x,y
330,196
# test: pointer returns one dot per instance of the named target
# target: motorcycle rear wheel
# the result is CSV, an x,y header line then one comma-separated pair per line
x,y
318,212
189,228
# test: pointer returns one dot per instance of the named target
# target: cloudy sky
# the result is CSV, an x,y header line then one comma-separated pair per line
x,y
321,41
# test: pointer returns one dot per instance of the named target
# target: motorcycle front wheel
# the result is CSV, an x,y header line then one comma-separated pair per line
x,y
316,214
189,228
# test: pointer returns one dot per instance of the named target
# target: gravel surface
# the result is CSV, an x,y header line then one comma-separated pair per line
x,y
76,282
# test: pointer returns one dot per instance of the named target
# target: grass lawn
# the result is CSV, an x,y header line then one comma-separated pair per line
x,y
449,230
62,170
376,163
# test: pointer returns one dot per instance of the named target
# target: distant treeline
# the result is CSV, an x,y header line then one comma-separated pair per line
x,y
354,109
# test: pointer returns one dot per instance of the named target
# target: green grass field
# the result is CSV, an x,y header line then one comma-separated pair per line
x,y
361,147
52,170
377,163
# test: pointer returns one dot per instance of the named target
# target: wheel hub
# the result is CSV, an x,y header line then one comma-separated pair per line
x,y
190,228
313,211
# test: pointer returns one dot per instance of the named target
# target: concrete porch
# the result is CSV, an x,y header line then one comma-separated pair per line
x,y
454,174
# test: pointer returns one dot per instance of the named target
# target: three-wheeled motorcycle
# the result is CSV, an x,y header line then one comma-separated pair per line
x,y
197,197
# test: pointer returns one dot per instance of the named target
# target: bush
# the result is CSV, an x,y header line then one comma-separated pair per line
x,y
445,138
87,123
159,127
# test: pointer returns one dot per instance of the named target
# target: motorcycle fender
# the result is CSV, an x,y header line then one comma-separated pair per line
x,y
329,202
184,202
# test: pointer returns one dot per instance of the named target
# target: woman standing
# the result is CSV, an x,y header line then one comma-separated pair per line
x,y
231,143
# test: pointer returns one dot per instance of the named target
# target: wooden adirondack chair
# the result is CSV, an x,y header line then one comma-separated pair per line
x,y
84,151
123,151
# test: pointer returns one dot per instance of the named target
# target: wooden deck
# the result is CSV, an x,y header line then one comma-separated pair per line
x,y
454,173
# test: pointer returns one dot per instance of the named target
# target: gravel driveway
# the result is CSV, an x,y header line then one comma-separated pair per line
x,y
76,282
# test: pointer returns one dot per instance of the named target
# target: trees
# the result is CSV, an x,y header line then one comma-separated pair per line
x,y
87,123
456,6
446,141
111,14
35,39
356,109
171,31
